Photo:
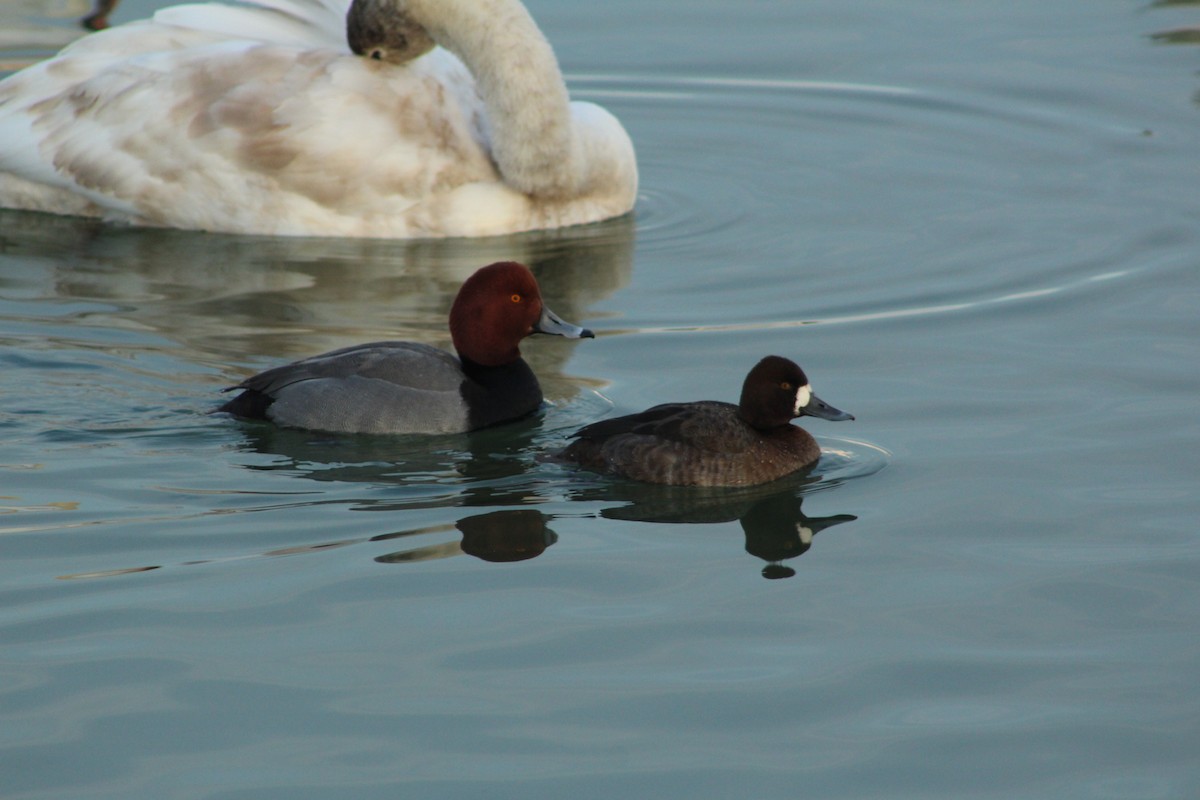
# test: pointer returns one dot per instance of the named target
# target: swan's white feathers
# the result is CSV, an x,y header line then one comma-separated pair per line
x,y
292,23
277,144
276,129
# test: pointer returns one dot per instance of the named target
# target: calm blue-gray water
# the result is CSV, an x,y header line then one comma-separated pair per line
x,y
977,227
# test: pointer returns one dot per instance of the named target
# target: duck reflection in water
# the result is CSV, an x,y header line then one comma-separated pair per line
x,y
776,530
482,468
487,469
775,527
497,536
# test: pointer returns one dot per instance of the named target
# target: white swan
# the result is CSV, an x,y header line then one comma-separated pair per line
x,y
258,119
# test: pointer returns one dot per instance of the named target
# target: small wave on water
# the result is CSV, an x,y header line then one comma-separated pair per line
x,y
845,459
847,176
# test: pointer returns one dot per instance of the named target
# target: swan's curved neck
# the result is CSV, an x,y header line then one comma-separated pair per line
x,y
514,66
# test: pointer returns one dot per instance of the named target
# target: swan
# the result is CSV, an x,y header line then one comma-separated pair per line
x,y
449,118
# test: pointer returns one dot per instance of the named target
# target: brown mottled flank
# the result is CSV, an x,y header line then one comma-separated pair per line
x,y
709,446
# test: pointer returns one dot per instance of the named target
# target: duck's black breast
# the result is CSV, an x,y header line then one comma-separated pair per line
x,y
692,444
499,394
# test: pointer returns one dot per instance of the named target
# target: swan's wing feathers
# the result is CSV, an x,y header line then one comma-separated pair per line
x,y
178,137
301,23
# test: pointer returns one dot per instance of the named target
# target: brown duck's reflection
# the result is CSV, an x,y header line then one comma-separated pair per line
x,y
775,527
776,530
498,536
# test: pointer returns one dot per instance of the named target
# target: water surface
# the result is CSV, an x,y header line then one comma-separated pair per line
x,y
975,227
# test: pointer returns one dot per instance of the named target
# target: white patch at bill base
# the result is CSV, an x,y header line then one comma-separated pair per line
x,y
803,395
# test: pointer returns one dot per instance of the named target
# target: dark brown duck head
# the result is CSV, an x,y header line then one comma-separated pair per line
x,y
777,391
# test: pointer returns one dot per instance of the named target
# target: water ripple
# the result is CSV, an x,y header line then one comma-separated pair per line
x,y
844,175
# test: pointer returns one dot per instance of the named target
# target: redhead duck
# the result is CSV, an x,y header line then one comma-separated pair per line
x,y
710,443
437,118
408,387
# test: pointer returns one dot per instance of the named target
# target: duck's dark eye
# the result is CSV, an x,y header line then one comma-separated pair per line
x,y
786,386
516,298
377,55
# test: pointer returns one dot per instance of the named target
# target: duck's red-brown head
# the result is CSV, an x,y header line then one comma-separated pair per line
x,y
496,308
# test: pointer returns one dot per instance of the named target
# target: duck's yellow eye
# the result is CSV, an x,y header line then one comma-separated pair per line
x,y
516,298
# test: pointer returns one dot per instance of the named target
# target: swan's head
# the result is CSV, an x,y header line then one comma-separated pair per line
x,y
379,29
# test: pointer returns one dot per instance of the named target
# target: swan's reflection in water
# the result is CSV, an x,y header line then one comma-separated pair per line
x,y
236,304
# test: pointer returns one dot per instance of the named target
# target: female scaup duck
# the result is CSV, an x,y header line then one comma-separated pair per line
x,y
258,118
710,443
407,387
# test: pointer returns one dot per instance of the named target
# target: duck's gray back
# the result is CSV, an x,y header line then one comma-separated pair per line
x,y
381,387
